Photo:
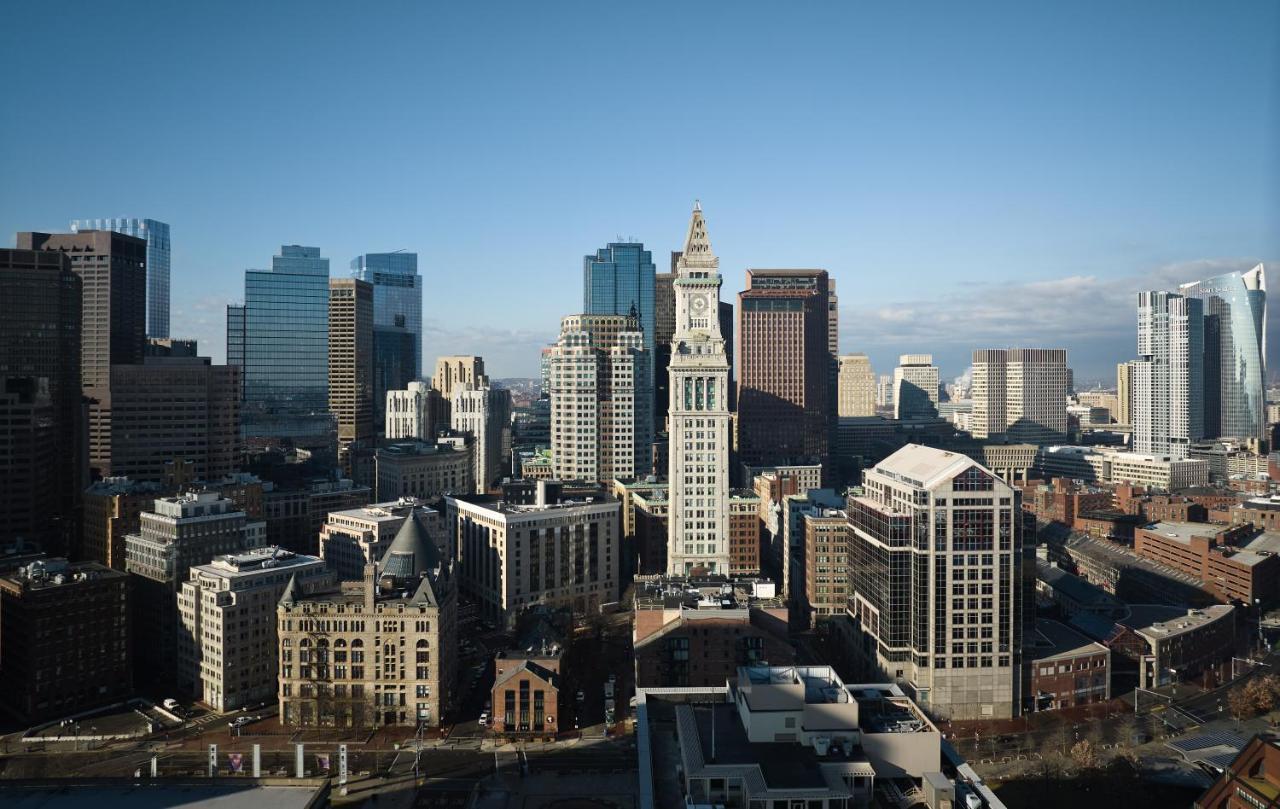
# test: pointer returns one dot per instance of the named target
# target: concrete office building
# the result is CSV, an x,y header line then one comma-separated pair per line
x,y
457,372
172,410
424,470
557,554
227,651
112,510
159,252
113,274
353,538
1124,393
936,574
178,534
1168,377
41,447
373,653
784,368
351,363
698,539
484,413
601,399
64,639
295,512
857,387
411,413
280,338
1020,394
915,387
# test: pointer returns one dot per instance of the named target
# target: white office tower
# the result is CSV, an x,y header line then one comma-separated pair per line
x,y
598,373
935,561
698,526
915,387
1167,379
484,413
1020,394
409,412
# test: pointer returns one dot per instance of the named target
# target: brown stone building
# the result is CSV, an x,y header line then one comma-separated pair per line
x,y
697,633
1261,512
826,558
1061,499
112,509
351,362
1235,563
1065,668
744,533
64,639
1107,524
786,369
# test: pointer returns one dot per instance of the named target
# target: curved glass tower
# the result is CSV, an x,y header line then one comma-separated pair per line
x,y
1235,351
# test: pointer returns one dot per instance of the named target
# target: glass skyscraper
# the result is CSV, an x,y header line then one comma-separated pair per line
x,y
1235,351
156,235
281,340
618,279
397,323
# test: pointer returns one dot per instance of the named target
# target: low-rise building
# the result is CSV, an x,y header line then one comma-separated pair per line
x,y
1061,499
1065,668
525,697
1132,578
227,637
697,632
1172,644
557,553
1073,595
1235,563
378,652
1250,780
1109,524
1098,464
353,538
64,639
1261,512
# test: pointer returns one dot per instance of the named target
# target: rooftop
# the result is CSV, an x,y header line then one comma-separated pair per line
x,y
1072,586
1052,640
254,561
382,512
1155,621
709,593
924,466
45,573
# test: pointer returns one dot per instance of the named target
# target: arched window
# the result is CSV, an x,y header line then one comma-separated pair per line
x,y
340,643
305,642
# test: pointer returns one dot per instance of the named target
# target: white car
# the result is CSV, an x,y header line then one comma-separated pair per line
x,y
484,719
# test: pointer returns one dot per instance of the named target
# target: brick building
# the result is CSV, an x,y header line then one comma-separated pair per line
x,y
1061,499
1235,563
1250,781
1065,668
826,558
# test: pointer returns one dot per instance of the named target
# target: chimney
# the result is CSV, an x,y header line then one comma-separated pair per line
x,y
370,586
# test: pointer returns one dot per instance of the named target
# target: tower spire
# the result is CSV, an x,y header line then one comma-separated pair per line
x,y
697,255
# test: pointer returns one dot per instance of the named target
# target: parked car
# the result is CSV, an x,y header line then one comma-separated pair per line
x,y
170,704
484,719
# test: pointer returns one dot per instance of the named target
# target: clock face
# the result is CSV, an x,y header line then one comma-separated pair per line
x,y
698,304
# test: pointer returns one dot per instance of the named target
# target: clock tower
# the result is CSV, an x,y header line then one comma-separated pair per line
x,y
698,523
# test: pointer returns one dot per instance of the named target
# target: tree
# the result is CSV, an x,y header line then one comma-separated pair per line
x,y
1084,755
1239,703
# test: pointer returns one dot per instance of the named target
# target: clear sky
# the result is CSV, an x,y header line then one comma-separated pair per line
x,y
972,174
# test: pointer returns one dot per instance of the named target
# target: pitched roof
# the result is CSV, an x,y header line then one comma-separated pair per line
x,y
541,672
927,466
292,592
411,554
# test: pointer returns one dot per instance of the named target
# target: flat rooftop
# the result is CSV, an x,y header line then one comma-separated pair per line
x,y
1052,640
380,512
1261,547
1183,531
74,794
1157,621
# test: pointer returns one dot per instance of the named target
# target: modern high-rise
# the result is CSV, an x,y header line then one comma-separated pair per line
x,y
283,344
698,527
1235,353
1020,394
484,413
619,280
411,412
351,361
176,535
1168,378
43,460
600,399
113,274
935,564
397,322
172,410
915,387
857,387
784,368
1124,393
156,235
375,653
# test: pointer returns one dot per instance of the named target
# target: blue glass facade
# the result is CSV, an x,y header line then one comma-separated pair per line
x,y
397,300
618,278
156,235
1235,373
286,349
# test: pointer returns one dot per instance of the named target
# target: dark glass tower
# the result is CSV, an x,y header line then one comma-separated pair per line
x,y
619,280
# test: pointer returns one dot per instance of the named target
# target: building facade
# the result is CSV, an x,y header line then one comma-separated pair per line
x,y
227,649
112,510
410,413
374,653
784,368
353,538
351,361
41,447
397,305
281,335
601,398
698,539
457,372
64,639
156,235
936,574
1168,377
1020,394
424,470
564,554
857,387
619,280
484,413
915,387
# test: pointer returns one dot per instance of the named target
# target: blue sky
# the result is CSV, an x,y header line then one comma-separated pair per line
x,y
972,174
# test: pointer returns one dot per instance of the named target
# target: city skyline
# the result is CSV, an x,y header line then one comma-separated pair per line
x,y
1020,166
